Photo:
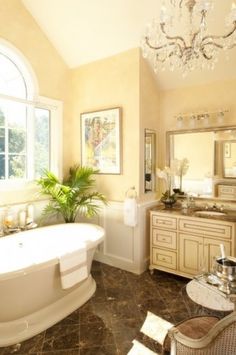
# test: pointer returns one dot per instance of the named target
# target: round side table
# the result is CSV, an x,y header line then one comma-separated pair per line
x,y
209,298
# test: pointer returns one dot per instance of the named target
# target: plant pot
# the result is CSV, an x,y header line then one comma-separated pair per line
x,y
168,202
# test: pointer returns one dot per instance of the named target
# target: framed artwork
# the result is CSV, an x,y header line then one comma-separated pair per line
x,y
100,140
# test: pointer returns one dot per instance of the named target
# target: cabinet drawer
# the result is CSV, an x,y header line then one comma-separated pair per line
x,y
164,258
164,238
209,228
164,221
227,191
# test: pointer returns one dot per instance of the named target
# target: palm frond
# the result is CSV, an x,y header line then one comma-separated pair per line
x,y
71,196
80,177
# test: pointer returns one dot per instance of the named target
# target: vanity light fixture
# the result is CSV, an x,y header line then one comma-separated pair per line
x,y
192,120
180,38
179,121
199,118
220,116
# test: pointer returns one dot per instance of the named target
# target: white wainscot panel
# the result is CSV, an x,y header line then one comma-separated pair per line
x,y
125,247
119,238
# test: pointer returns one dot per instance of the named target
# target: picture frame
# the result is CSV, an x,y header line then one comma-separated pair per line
x,y
100,140
227,150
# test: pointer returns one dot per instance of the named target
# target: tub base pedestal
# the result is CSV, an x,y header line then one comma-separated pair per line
x,y
16,331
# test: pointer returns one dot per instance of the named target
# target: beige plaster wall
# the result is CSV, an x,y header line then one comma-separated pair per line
x,y
19,28
112,82
149,115
214,96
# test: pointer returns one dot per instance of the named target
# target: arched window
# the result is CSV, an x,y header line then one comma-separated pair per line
x,y
27,122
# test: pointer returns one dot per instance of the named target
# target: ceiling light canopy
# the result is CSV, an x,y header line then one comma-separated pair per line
x,y
180,37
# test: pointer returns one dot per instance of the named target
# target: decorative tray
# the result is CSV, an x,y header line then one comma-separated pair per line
x,y
210,281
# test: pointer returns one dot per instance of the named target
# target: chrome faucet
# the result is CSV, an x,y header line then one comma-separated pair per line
x,y
190,201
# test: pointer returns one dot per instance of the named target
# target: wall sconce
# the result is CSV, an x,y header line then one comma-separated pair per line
x,y
200,118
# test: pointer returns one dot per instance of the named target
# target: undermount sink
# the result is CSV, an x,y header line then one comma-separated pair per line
x,y
210,213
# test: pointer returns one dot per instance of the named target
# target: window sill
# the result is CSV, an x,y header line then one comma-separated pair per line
x,y
13,192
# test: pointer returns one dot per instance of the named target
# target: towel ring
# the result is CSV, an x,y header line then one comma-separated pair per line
x,y
131,192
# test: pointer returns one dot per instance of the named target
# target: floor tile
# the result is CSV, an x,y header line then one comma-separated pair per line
x,y
61,337
112,318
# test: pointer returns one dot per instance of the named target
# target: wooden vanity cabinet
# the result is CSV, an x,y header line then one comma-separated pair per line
x,y
187,245
163,242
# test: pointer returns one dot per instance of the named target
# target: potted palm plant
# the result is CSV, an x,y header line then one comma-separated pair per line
x,y
74,195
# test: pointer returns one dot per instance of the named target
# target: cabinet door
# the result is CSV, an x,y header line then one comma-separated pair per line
x,y
212,250
190,253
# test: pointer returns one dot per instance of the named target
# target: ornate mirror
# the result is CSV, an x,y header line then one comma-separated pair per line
x,y
211,153
150,161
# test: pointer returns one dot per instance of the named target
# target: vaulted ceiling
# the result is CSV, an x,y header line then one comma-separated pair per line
x,y
87,30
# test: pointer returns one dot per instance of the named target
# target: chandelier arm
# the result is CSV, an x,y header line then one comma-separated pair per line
x,y
159,47
169,55
162,25
210,44
204,54
221,37
166,45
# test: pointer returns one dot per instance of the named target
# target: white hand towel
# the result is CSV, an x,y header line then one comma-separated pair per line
x,y
73,267
130,212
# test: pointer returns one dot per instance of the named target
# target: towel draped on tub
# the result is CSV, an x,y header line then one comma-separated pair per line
x,y
73,267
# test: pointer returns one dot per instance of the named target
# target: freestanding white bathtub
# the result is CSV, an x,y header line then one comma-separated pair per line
x,y
31,296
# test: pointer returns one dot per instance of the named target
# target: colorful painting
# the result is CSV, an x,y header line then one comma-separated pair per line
x,y
100,140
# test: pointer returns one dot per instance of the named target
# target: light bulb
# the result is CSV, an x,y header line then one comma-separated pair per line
x,y
179,121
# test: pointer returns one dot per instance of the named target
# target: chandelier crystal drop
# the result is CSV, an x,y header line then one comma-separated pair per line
x,y
193,46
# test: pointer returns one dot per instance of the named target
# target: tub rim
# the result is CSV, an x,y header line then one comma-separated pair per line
x,y
47,263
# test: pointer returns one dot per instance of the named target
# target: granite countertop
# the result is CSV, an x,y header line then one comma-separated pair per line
x,y
177,209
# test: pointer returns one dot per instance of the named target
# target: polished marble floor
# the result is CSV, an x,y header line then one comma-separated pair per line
x,y
112,318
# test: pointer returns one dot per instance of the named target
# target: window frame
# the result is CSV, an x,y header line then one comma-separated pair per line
x,y
55,151
33,101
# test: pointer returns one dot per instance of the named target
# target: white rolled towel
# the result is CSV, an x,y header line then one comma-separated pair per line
x,y
130,212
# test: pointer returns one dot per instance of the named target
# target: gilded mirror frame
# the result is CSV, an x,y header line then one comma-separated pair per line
x,y
217,158
149,160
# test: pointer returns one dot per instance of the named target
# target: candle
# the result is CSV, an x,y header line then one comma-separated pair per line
x,y
8,221
22,219
222,251
30,212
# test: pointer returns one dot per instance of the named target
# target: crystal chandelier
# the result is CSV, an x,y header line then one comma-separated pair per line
x,y
187,51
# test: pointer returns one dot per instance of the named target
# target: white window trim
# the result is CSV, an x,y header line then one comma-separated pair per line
x,y
24,66
56,132
56,129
